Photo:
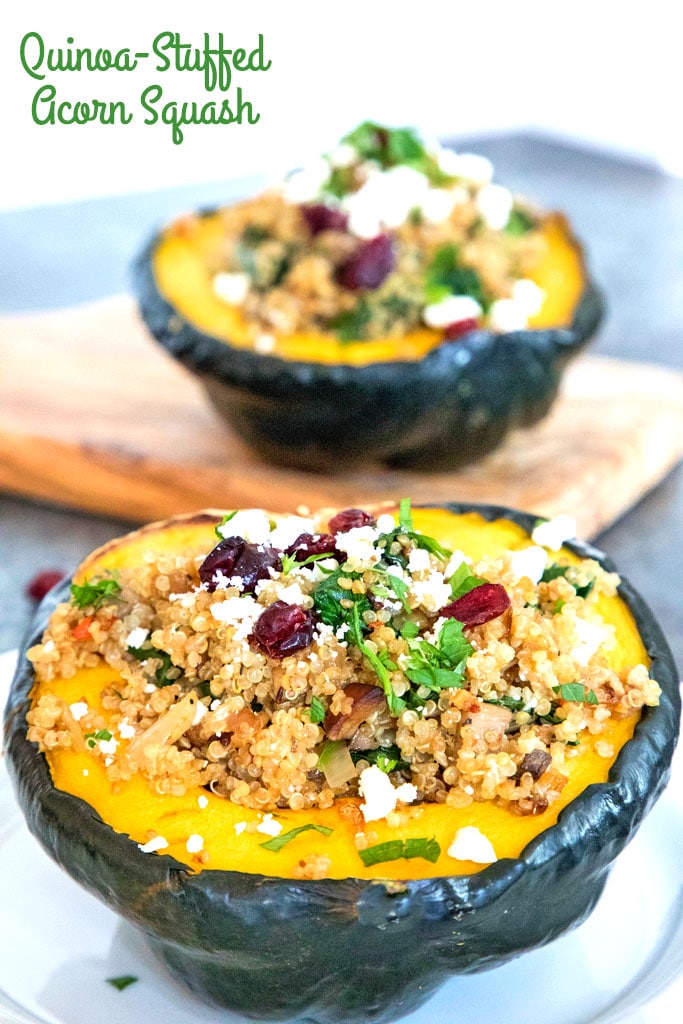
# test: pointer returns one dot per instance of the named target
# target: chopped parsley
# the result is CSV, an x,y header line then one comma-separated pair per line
x,y
395,147
576,692
554,571
405,528
397,849
519,222
93,738
447,276
328,595
317,710
95,593
462,581
379,664
351,325
277,842
162,675
387,759
123,981
289,562
442,665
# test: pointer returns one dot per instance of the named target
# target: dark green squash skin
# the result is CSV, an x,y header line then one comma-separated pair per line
x,y
441,412
353,951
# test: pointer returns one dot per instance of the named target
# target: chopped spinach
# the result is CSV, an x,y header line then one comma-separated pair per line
x,y
161,676
442,665
95,593
447,276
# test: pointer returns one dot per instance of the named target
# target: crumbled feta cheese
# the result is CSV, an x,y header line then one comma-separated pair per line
x,y
529,562
507,315
438,204
199,713
79,710
292,594
384,200
86,772
108,761
528,295
494,203
385,523
240,827
555,532
48,646
432,593
185,599
471,166
126,730
232,288
149,688
264,344
251,523
418,560
342,631
451,310
214,704
591,636
241,612
380,795
323,633
471,844
195,843
137,637
359,546
288,529
203,801
158,843
305,184
269,826
108,746
343,155
223,582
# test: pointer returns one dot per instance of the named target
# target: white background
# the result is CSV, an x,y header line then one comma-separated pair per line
x,y
603,72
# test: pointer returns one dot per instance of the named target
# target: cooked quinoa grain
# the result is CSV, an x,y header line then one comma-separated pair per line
x,y
298,666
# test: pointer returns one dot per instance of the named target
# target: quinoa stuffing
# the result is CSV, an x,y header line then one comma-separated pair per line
x,y
306,661
385,235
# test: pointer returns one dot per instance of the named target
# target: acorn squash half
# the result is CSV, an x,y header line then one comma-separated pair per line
x,y
275,948
414,402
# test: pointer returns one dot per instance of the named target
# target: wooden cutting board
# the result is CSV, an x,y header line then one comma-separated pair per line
x,y
94,415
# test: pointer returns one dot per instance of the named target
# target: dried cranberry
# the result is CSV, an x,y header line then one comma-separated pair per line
x,y
306,545
480,605
460,328
350,518
319,218
369,265
224,558
282,629
234,557
38,587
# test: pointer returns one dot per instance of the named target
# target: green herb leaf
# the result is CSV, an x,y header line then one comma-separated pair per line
x,y
397,849
161,676
447,276
95,593
341,182
277,842
386,758
554,571
123,981
289,562
409,630
405,516
519,222
351,325
317,710
226,519
328,595
576,692
396,705
462,581
442,665
93,738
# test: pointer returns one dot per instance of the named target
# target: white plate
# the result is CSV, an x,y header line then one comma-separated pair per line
x,y
58,945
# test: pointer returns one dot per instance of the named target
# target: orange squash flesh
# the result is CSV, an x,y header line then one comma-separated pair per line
x,y
134,809
187,249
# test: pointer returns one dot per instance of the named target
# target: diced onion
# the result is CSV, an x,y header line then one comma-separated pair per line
x,y
340,767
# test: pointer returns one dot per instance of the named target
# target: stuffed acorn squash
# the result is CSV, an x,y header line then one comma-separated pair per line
x,y
264,740
389,303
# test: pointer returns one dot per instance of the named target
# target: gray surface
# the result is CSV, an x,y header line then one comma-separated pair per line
x,y
630,216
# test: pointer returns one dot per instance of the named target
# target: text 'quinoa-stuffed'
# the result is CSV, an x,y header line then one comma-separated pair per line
x,y
348,690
